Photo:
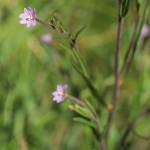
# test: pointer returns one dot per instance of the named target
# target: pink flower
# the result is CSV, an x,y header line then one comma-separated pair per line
x,y
47,38
28,17
60,93
145,31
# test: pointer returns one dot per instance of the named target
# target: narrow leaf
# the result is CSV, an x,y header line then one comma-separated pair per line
x,y
84,122
125,7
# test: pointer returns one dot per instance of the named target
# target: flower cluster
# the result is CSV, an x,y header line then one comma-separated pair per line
x,y
60,93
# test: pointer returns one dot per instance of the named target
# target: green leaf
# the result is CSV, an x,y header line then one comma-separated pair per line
x,y
84,122
19,124
82,111
125,7
81,61
89,105
77,57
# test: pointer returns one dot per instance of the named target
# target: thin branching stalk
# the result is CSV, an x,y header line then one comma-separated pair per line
x,y
117,79
117,57
135,43
43,22
132,41
129,56
75,100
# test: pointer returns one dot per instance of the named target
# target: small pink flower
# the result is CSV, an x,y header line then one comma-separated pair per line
x,y
60,93
28,17
145,31
47,38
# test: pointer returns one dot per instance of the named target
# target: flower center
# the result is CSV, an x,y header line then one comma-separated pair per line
x,y
61,93
30,17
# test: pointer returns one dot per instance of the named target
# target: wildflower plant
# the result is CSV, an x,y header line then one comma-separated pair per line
x,y
89,114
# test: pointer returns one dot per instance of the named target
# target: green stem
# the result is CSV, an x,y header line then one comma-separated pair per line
x,y
75,100
81,62
137,36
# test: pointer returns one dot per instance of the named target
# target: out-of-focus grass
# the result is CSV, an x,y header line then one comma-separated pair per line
x,y
30,70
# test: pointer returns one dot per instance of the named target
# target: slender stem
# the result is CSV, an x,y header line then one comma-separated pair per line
x,y
126,57
117,56
117,78
49,25
75,100
135,43
81,62
81,102
43,22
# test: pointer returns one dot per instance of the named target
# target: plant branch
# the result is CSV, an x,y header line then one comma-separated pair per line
x,y
139,21
75,100
94,117
132,41
135,43
117,78
47,24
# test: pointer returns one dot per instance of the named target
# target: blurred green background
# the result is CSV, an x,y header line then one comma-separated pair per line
x,y
30,71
